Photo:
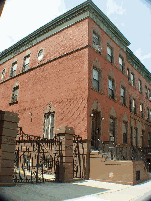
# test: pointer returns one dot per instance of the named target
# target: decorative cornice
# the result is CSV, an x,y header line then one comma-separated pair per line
x,y
136,63
78,13
88,8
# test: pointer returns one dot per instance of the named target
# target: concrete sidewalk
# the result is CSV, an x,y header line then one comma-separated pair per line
x,y
117,192
80,190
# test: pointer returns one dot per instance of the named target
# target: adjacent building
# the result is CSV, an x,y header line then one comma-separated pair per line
x,y
78,71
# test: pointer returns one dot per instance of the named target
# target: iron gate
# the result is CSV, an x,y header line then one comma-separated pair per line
x,y
79,157
36,158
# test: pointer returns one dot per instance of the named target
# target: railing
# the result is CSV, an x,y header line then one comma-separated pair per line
x,y
114,151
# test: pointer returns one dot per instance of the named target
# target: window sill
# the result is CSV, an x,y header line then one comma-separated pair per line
x,y
114,99
100,92
124,105
12,103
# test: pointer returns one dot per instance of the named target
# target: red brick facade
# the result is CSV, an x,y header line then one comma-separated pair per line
x,y
63,79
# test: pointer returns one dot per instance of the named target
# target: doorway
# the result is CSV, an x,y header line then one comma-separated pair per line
x,y
95,132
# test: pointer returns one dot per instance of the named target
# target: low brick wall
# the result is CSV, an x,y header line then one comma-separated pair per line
x,y
117,171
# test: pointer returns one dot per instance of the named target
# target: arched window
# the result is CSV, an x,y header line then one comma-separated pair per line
x,y
48,125
14,98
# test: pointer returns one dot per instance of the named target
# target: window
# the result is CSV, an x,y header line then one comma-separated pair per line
x,y
141,110
128,74
149,139
125,128
15,94
148,114
109,54
140,85
95,81
143,134
123,101
136,136
146,91
149,94
48,125
3,73
40,55
121,62
26,63
131,130
111,88
13,69
96,42
134,106
112,129
132,102
132,79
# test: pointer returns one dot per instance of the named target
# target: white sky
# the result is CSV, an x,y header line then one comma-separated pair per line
x,y
132,18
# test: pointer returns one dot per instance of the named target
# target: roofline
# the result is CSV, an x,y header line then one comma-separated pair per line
x,y
86,6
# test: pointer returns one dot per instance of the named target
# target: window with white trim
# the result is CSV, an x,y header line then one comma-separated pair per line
x,y
3,74
141,110
121,63
123,97
132,79
111,88
14,98
49,125
96,42
140,85
95,81
109,54
13,69
40,54
26,63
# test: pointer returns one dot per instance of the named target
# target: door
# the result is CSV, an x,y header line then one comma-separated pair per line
x,y
95,133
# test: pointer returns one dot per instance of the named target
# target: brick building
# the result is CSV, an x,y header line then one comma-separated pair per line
x,y
78,71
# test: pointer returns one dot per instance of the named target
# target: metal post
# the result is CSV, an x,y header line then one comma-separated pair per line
x,y
37,161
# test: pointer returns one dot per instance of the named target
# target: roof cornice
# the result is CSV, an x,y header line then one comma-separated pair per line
x,y
88,6
136,63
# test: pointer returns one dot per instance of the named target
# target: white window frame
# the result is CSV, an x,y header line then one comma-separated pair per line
x,y
49,125
109,54
13,69
26,64
96,79
40,54
3,74
132,79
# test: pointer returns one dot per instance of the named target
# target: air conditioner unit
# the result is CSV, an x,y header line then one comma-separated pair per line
x,y
112,139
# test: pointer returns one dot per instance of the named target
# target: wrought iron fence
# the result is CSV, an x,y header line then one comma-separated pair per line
x,y
114,151
36,158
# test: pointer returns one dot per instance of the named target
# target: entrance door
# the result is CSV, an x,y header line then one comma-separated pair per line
x,y
95,133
